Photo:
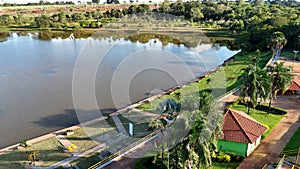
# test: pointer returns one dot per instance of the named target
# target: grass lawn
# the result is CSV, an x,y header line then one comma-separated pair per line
x,y
271,120
289,54
215,81
137,127
49,151
294,143
83,137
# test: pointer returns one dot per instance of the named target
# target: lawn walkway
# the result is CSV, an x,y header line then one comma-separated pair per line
x,y
271,147
119,125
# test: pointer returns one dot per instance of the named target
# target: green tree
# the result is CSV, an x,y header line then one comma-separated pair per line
x,y
4,19
205,119
276,43
196,14
96,1
255,84
165,6
159,124
42,21
281,78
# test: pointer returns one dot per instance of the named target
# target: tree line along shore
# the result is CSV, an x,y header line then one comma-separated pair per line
x,y
251,24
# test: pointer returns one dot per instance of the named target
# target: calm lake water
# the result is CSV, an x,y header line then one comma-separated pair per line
x,y
36,78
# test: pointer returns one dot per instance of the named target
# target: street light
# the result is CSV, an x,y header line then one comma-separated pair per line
x,y
295,51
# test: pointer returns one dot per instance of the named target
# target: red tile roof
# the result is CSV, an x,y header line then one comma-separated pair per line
x,y
295,85
240,127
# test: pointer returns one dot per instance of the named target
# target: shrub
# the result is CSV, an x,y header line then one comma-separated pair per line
x,y
141,163
24,144
226,158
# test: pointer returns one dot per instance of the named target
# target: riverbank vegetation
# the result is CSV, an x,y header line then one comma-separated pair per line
x,y
252,24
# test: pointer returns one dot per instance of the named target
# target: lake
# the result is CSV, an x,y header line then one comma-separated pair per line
x,y
41,78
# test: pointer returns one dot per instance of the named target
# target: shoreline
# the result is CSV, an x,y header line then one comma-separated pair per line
x,y
197,78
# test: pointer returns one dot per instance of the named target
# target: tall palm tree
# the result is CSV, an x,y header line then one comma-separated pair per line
x,y
255,84
161,125
276,43
205,130
281,78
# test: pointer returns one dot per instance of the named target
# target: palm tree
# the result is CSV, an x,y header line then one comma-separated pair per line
x,y
205,130
276,43
281,78
255,84
161,125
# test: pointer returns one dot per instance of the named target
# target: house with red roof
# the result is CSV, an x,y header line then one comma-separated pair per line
x,y
294,87
241,133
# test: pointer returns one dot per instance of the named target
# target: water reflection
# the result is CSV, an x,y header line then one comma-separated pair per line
x,y
36,72
187,39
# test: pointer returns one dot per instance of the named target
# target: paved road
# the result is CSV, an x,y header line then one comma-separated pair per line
x,y
270,148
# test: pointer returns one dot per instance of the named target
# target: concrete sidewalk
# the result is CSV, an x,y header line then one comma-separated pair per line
x,y
119,125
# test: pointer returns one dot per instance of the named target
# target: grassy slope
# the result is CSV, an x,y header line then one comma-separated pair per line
x,y
230,73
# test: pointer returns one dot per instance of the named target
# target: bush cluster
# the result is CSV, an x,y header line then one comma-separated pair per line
x,y
142,163
227,157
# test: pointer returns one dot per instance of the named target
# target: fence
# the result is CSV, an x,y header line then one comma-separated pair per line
x,y
127,149
290,152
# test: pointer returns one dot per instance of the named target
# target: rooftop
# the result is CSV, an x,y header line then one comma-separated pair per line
x,y
295,85
240,127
